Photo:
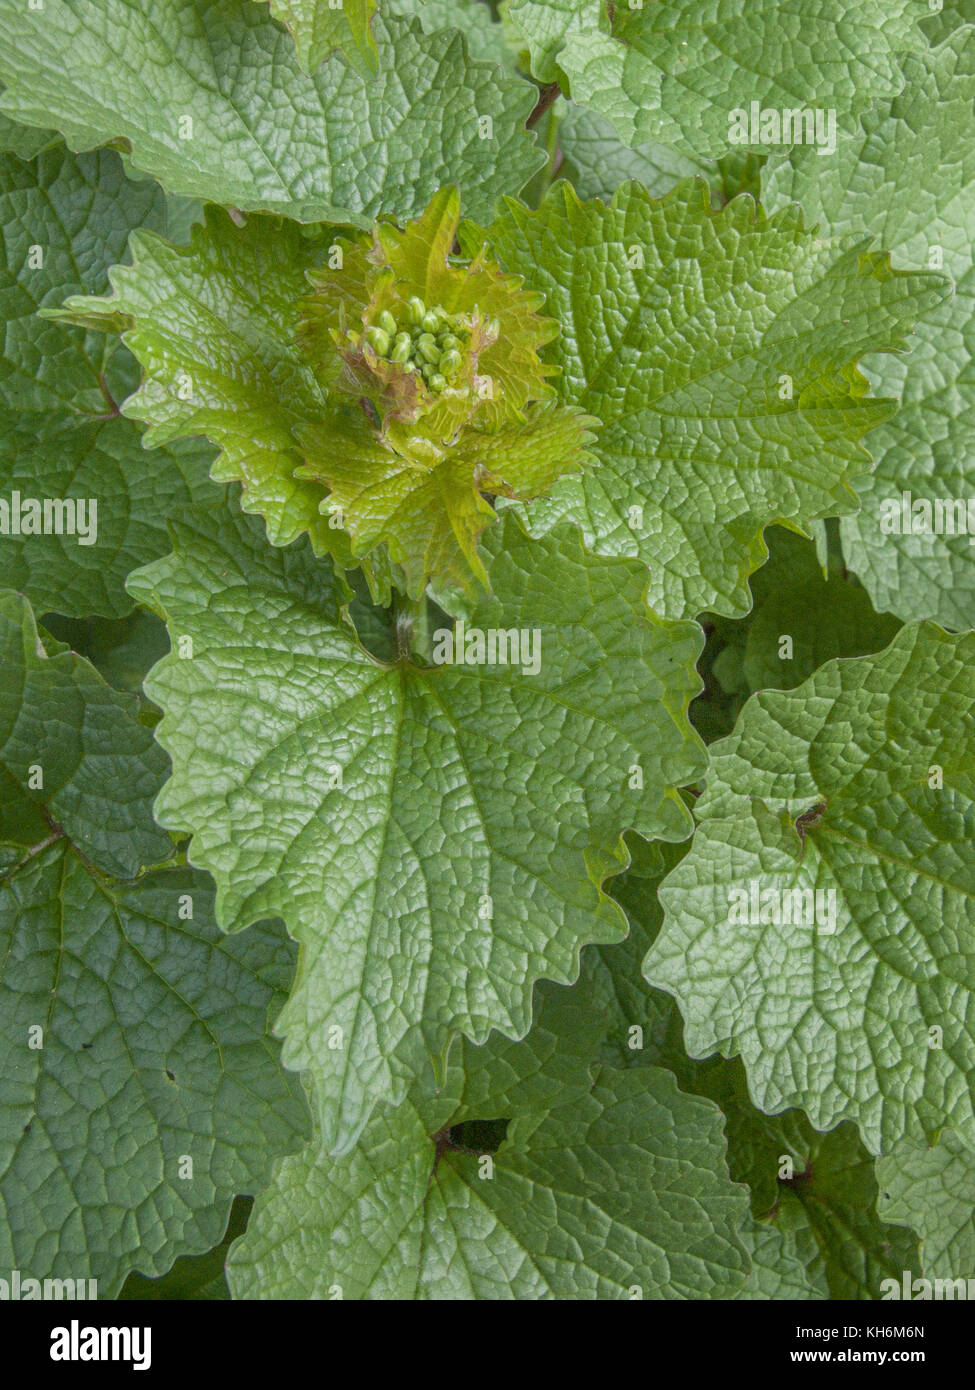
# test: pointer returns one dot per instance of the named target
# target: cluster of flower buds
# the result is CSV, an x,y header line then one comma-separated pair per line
x,y
430,341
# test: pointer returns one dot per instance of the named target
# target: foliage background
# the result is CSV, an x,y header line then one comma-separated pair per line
x,y
189,904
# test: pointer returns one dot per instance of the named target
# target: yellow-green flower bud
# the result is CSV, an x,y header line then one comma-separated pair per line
x,y
428,348
377,340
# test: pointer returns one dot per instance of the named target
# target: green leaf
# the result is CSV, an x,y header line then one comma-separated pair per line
x,y
672,71
543,29
24,141
619,1193
857,786
196,1277
932,1190
828,1208
66,219
73,759
821,618
682,332
822,1209
548,1068
109,496
819,1191
213,325
391,813
484,36
154,1052
132,1033
278,379
596,161
321,26
427,508
779,1269
121,650
910,178
944,20
263,134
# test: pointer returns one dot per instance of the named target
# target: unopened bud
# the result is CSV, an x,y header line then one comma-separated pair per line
x,y
377,340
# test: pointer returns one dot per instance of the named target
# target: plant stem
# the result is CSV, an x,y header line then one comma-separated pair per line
x,y
539,184
412,626
546,96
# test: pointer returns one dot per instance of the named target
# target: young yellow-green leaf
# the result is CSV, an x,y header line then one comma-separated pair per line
x,y
277,376
617,1191
719,352
321,26
392,273
821,926
237,121
426,506
213,325
909,178
931,1189
673,71
395,814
